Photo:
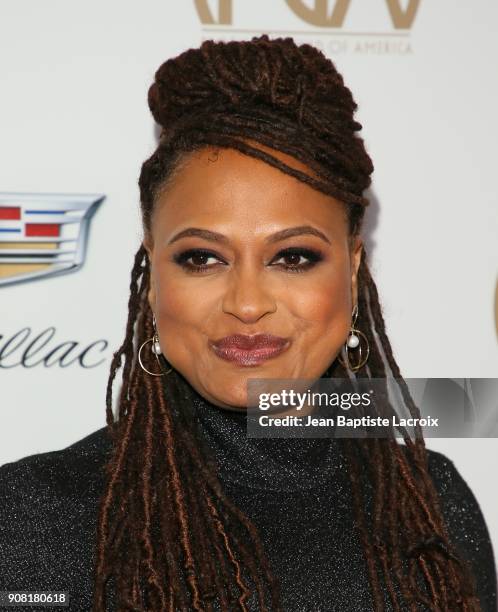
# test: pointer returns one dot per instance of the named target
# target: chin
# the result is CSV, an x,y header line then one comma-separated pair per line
x,y
229,394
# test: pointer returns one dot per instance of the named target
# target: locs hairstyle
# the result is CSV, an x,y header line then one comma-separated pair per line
x,y
168,538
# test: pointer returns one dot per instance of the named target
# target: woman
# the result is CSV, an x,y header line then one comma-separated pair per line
x,y
252,265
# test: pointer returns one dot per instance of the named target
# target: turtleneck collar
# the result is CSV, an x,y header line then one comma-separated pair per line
x,y
285,464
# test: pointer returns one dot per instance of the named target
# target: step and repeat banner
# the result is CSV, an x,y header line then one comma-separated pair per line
x,y
75,129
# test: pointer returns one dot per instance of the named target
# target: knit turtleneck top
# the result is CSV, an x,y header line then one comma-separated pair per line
x,y
295,491
264,464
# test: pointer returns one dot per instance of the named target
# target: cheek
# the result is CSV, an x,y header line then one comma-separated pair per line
x,y
322,314
173,305
180,317
325,303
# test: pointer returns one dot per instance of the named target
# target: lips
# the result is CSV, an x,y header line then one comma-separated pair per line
x,y
249,350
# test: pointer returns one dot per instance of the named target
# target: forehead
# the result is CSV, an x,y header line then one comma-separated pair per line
x,y
226,187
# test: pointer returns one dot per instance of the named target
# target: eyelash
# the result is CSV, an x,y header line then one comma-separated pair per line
x,y
313,258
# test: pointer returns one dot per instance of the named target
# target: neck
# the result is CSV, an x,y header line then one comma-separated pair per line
x,y
262,463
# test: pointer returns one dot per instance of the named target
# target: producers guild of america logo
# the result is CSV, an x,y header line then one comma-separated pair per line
x,y
336,26
319,13
43,234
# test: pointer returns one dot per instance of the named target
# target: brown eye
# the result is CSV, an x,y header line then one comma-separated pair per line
x,y
196,260
297,259
292,259
199,259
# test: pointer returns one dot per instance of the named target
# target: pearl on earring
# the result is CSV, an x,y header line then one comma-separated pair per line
x,y
156,347
353,341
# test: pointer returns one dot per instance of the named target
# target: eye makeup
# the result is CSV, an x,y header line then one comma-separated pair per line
x,y
194,260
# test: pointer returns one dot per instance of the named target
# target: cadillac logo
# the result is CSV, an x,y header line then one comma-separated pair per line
x,y
43,235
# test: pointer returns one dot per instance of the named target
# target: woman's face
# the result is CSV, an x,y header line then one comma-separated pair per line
x,y
239,247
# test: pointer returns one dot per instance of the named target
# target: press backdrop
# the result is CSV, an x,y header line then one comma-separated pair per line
x,y
74,120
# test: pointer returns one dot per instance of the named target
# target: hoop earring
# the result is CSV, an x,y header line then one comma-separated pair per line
x,y
156,351
352,343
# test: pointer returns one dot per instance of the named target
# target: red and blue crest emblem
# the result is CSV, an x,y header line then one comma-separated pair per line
x,y
42,234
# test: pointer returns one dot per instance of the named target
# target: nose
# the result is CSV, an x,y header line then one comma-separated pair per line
x,y
248,295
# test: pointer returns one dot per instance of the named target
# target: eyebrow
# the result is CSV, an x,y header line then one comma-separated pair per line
x,y
282,235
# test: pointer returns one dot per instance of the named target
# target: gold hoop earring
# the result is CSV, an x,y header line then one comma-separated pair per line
x,y
352,343
156,351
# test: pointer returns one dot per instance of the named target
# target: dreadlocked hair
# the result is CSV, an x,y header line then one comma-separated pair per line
x,y
168,538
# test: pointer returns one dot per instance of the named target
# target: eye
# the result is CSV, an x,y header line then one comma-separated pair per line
x,y
294,259
199,259
297,259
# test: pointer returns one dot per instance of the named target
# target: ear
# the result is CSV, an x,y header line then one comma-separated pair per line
x,y
151,295
356,252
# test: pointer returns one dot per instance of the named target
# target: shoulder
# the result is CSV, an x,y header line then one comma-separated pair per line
x,y
467,527
48,509
456,496
63,472
449,483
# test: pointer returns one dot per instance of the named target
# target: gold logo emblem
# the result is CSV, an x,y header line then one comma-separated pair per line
x,y
206,16
319,15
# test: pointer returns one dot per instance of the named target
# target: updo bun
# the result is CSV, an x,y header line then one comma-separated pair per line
x,y
276,73
286,96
